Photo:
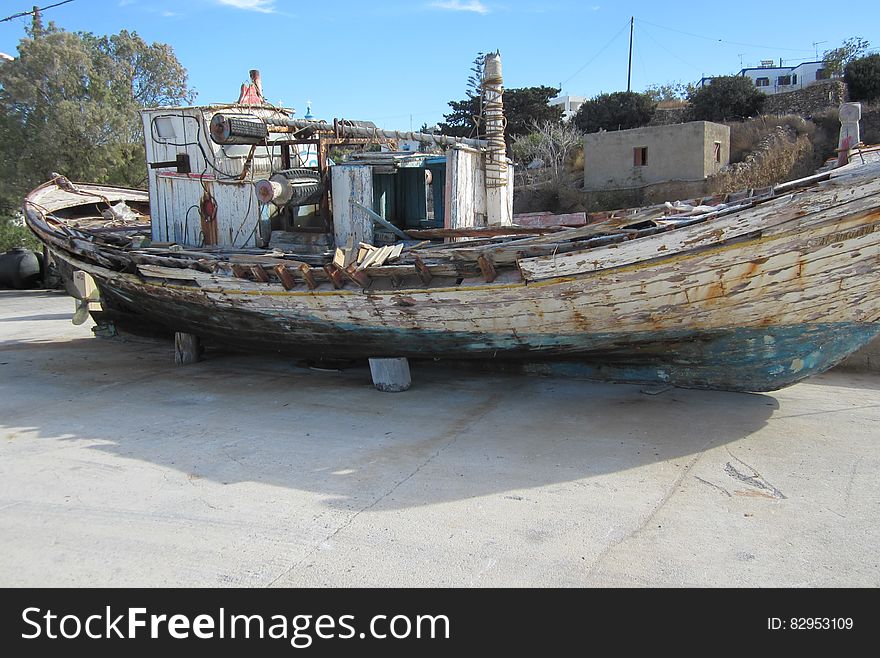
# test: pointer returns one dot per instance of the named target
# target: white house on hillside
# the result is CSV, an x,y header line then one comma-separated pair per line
x,y
570,105
772,79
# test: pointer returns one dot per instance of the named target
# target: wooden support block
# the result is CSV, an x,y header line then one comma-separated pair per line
x,y
339,258
240,271
424,273
390,375
259,273
487,268
336,277
307,275
357,276
286,277
187,348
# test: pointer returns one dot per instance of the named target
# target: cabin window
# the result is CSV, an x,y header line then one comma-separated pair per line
x,y
640,156
783,80
762,82
822,74
717,151
164,128
794,79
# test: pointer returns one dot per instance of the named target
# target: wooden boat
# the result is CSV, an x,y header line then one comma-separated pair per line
x,y
754,296
748,292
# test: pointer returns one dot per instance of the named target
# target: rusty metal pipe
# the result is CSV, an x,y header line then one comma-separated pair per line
x,y
346,129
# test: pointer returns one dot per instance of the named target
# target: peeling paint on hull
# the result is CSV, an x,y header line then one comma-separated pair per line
x,y
742,359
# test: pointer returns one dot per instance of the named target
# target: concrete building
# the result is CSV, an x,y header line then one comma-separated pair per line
x,y
632,158
570,105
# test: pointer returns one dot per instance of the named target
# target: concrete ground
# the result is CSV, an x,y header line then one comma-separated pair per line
x,y
118,468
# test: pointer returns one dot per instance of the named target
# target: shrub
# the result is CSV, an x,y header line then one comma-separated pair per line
x,y
728,98
14,234
618,111
862,77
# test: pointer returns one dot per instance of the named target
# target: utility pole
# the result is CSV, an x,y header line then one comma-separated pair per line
x,y
629,70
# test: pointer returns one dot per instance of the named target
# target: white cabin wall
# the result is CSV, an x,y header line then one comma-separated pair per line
x,y
465,188
349,222
175,197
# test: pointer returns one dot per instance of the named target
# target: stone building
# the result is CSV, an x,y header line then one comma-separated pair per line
x,y
632,158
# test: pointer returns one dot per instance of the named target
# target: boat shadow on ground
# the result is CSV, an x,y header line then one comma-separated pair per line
x,y
455,435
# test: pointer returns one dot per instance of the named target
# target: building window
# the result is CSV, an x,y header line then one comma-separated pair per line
x,y
717,151
783,80
822,74
762,82
640,156
794,79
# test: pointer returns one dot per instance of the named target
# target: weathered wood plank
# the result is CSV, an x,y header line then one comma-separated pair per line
x,y
549,220
777,214
350,222
487,232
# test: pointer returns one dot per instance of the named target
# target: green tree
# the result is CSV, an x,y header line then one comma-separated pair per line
x,y
671,91
523,108
862,77
70,104
618,111
835,60
726,98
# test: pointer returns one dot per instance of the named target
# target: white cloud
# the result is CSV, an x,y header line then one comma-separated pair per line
x,y
262,6
461,5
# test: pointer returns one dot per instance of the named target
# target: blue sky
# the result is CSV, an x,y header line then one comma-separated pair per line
x,y
399,62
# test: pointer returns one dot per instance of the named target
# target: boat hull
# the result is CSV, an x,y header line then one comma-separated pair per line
x,y
761,358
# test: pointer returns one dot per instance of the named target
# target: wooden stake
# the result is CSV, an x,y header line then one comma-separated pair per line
x,y
240,271
487,268
259,273
424,273
284,275
306,272
336,277
187,349
360,278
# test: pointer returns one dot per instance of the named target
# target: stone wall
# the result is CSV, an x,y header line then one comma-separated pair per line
x,y
667,116
808,101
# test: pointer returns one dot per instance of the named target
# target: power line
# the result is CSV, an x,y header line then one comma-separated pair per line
x,y
601,50
734,43
33,11
644,31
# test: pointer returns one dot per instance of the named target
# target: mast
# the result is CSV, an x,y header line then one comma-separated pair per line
x,y
498,207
